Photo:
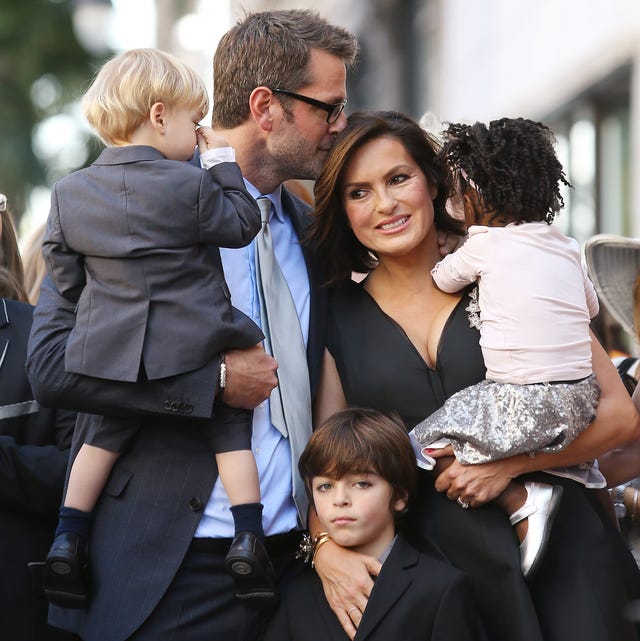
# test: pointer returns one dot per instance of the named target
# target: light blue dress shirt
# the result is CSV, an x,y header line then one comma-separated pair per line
x,y
270,448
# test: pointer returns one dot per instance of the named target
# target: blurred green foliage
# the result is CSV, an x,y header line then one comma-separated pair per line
x,y
36,40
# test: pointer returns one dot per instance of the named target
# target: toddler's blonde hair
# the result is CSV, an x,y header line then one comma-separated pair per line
x,y
127,86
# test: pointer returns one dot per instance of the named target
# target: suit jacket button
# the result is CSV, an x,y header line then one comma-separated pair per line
x,y
195,504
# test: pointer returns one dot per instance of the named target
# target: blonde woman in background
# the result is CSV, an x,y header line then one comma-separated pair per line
x,y
34,449
33,263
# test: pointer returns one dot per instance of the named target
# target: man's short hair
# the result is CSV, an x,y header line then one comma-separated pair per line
x,y
272,49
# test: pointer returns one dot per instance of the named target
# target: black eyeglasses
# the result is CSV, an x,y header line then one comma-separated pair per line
x,y
333,111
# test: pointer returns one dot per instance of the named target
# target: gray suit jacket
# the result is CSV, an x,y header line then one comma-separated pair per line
x,y
416,597
136,236
157,491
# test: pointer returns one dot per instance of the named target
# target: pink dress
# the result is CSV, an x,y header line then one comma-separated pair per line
x,y
533,307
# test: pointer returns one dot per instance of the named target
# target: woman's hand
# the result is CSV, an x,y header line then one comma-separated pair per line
x,y
617,423
474,484
347,583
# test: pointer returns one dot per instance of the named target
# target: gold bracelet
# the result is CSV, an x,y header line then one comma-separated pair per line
x,y
635,505
318,541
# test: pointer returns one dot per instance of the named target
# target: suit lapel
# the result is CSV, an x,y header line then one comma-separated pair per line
x,y
394,580
332,630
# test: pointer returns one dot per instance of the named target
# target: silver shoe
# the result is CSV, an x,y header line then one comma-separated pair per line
x,y
540,508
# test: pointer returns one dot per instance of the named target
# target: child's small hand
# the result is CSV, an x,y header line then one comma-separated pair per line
x,y
209,139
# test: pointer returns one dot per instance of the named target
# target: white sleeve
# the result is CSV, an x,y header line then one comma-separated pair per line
x,y
461,268
215,156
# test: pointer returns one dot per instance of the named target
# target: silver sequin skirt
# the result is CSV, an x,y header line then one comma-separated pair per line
x,y
490,421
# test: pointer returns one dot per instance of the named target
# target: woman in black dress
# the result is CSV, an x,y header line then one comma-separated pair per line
x,y
34,450
398,344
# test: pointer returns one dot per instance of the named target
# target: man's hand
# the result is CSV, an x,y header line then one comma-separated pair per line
x,y
251,375
347,583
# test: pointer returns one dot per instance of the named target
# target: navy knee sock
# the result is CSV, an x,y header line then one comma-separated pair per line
x,y
248,518
76,521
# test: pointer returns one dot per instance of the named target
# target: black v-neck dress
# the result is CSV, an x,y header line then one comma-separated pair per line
x,y
587,577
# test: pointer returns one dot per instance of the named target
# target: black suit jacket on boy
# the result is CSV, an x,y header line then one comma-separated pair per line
x,y
155,496
34,449
416,597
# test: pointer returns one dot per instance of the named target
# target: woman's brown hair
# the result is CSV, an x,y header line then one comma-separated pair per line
x,y
33,263
338,250
13,278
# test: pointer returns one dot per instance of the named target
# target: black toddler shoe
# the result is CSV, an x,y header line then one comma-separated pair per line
x,y
254,578
66,572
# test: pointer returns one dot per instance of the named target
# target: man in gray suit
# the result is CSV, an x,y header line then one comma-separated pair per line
x,y
133,240
162,526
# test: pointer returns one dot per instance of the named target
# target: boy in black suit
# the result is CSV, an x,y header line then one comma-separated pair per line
x,y
359,471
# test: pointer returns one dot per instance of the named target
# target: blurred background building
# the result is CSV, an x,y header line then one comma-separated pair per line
x,y
571,63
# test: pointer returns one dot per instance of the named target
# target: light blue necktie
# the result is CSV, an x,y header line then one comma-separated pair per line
x,y
290,402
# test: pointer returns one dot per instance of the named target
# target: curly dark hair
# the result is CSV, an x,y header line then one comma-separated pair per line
x,y
512,165
336,246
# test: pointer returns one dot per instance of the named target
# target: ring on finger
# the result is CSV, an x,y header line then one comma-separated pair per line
x,y
462,503
350,610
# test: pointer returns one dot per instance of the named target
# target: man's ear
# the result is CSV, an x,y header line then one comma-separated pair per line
x,y
158,116
260,104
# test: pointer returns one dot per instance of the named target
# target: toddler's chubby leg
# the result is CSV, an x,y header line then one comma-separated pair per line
x,y
89,474
239,475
